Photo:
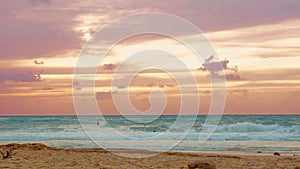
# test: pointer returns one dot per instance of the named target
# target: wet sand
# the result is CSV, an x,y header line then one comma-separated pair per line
x,y
41,156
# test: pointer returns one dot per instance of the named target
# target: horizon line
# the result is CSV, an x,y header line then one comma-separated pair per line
x,y
281,114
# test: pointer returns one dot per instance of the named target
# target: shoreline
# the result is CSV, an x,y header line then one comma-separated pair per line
x,y
216,146
37,155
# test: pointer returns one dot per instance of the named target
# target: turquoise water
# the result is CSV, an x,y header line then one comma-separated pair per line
x,y
234,132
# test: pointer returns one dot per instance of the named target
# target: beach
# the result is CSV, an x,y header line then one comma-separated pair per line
x,y
36,155
149,84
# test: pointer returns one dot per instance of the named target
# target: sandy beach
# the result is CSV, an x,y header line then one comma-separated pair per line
x,y
36,155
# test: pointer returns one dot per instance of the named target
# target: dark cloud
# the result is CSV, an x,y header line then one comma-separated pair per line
x,y
242,94
20,77
108,66
121,87
77,85
150,84
37,62
159,84
104,95
215,67
243,91
206,91
233,76
44,2
47,88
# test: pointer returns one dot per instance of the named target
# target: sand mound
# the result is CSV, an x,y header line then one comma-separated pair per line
x,y
36,155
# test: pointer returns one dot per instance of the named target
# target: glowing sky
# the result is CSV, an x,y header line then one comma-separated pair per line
x,y
261,40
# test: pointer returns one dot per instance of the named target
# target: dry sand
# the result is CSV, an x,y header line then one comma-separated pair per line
x,y
40,156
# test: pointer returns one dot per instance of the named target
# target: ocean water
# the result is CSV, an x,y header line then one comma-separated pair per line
x,y
234,132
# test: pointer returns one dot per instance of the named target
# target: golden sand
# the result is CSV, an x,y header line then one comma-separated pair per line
x,y
40,156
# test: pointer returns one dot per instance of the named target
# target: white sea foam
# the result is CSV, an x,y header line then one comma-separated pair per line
x,y
259,132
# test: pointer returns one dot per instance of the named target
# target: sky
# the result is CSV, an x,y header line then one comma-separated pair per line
x,y
41,40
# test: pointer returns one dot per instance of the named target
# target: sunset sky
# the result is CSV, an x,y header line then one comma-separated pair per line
x,y
261,40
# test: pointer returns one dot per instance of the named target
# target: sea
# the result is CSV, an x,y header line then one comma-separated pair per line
x,y
233,132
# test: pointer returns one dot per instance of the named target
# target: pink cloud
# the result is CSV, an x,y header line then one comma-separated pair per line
x,y
35,28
